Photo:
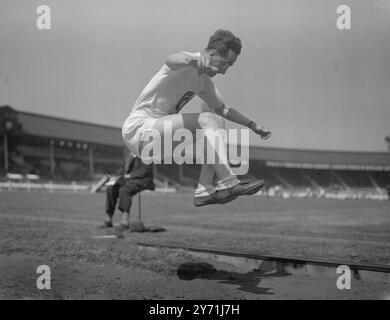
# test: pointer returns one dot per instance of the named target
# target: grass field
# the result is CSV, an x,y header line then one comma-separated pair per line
x,y
57,228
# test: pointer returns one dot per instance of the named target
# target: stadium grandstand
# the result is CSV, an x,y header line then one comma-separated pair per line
x,y
66,150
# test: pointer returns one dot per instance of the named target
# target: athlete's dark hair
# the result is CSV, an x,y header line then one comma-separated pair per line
x,y
222,41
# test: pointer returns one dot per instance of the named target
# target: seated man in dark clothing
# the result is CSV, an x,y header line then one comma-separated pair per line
x,y
132,177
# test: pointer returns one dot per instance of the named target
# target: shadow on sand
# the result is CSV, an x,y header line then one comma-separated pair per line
x,y
248,281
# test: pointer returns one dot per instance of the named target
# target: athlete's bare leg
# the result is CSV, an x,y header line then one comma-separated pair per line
x,y
207,172
211,124
229,187
206,179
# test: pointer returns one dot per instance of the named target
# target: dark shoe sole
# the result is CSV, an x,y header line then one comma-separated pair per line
x,y
255,188
198,202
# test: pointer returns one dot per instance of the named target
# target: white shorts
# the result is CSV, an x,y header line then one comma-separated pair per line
x,y
134,129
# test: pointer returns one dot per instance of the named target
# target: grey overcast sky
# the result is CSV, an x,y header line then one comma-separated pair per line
x,y
315,86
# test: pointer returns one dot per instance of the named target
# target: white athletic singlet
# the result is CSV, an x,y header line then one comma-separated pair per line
x,y
170,90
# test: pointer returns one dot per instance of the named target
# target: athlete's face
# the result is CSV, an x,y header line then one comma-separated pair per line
x,y
222,63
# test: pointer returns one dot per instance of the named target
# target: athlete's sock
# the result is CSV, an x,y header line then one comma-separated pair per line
x,y
227,182
203,191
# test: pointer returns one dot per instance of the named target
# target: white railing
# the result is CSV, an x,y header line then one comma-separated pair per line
x,y
29,182
12,185
356,194
16,181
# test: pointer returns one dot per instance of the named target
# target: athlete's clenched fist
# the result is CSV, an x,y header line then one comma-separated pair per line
x,y
260,130
202,64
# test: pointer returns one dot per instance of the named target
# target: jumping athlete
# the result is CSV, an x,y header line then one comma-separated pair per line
x,y
183,76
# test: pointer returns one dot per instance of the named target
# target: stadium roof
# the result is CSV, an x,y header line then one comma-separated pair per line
x,y
52,127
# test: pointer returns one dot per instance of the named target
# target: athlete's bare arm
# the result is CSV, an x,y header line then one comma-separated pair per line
x,y
202,64
235,116
182,59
